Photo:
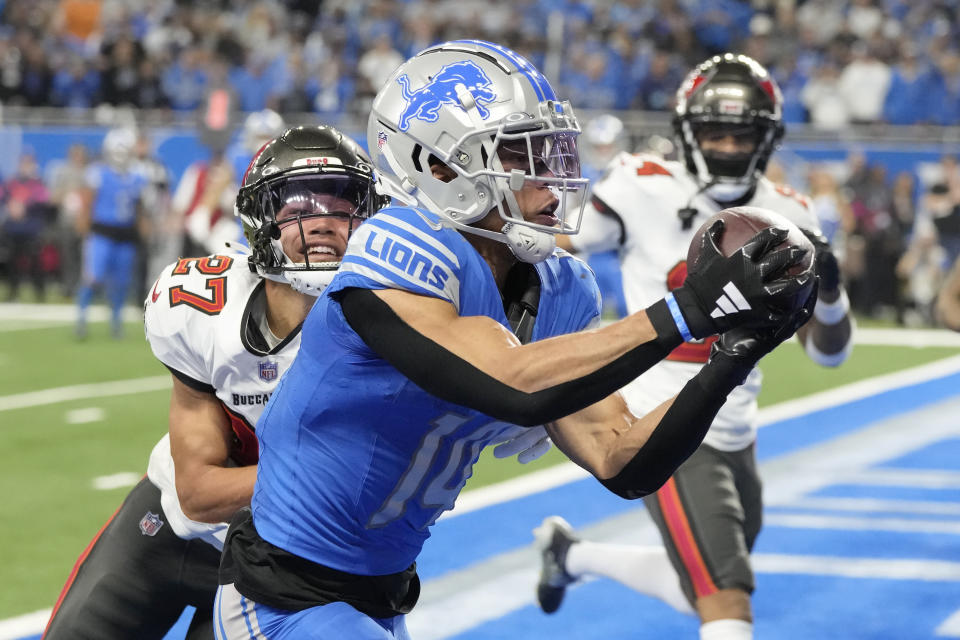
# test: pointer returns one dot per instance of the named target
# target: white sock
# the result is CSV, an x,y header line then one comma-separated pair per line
x,y
727,629
644,569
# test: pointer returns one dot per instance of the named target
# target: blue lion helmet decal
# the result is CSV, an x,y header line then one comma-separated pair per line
x,y
425,102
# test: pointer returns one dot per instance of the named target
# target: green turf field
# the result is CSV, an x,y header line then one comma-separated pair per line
x,y
51,508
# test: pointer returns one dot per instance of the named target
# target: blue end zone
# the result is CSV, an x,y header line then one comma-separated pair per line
x,y
942,455
809,429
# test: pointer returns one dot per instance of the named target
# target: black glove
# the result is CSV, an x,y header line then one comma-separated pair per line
x,y
755,271
739,349
824,262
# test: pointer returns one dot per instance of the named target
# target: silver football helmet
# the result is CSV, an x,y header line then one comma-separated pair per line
x,y
472,105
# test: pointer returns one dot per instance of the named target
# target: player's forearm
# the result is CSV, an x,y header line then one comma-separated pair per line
x,y
540,365
213,493
681,425
828,336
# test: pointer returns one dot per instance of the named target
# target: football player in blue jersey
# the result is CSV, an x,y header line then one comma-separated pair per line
x,y
453,319
110,246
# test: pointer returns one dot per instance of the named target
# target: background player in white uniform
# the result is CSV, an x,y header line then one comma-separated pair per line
x,y
227,330
727,124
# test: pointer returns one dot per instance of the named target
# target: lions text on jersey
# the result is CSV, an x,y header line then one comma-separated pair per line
x,y
197,320
357,461
641,195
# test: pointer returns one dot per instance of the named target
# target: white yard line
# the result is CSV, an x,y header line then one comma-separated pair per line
x,y
83,392
116,480
950,627
21,314
916,478
876,505
860,523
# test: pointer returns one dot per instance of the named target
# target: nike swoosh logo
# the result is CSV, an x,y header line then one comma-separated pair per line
x,y
155,294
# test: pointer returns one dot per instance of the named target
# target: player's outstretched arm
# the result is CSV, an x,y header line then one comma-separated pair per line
x,y
633,456
200,437
475,362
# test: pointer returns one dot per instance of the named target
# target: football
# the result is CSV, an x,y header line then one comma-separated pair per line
x,y
742,223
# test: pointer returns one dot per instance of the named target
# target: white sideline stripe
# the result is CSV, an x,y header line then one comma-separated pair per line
x,y
858,390
83,392
918,478
877,568
26,625
927,507
950,627
853,523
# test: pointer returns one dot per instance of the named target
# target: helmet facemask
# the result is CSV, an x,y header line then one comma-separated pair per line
x,y
276,205
729,173
729,95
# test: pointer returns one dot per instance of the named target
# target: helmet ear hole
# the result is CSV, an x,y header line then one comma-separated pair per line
x,y
244,204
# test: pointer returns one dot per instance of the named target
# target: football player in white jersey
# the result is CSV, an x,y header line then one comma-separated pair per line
x,y
227,326
727,124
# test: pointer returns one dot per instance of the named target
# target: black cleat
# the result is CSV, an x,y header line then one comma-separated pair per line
x,y
553,537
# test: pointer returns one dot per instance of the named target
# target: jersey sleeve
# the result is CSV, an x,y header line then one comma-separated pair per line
x,y
93,176
176,334
407,249
569,299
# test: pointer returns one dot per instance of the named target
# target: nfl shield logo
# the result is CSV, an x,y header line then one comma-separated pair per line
x,y
381,139
150,524
268,371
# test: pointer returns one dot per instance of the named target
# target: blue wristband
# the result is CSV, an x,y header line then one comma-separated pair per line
x,y
678,317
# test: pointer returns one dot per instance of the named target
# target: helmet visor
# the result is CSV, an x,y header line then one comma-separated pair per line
x,y
301,197
545,155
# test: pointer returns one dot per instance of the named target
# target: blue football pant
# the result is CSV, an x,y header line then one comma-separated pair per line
x,y
238,618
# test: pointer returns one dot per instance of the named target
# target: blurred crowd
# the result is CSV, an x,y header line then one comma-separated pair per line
x,y
896,236
45,216
838,61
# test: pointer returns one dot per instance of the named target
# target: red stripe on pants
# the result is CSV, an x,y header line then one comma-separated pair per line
x,y
676,518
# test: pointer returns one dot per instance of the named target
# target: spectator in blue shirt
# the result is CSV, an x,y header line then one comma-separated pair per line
x,y
75,86
912,92
184,82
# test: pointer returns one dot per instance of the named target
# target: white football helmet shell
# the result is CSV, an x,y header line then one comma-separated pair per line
x,y
118,146
458,102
